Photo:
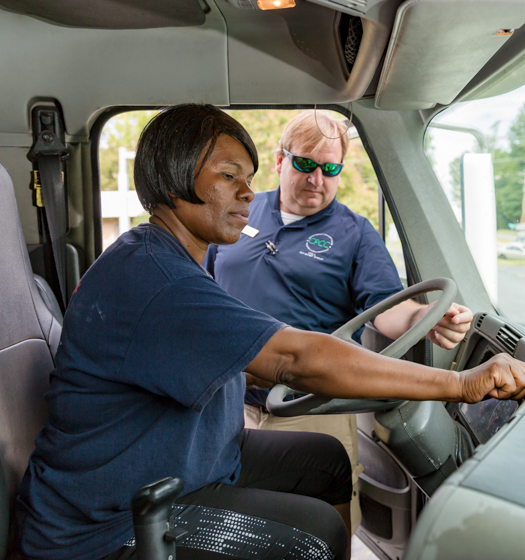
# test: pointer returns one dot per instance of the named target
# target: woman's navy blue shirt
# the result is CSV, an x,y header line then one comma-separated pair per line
x,y
148,385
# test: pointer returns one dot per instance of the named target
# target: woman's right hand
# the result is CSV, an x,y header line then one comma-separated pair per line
x,y
502,377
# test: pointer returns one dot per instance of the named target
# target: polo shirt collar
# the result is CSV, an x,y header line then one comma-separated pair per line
x,y
274,198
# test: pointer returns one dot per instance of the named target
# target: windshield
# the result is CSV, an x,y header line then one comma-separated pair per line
x,y
477,150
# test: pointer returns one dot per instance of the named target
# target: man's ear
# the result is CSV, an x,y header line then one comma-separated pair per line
x,y
279,162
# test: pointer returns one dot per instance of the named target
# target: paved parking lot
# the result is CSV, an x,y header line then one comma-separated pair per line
x,y
511,280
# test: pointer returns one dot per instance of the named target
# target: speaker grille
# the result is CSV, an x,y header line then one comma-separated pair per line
x,y
351,31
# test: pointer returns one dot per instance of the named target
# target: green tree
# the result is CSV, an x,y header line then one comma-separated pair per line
x,y
509,173
265,128
455,172
121,131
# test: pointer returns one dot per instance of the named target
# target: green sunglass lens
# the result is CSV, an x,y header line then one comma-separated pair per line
x,y
331,169
307,165
304,164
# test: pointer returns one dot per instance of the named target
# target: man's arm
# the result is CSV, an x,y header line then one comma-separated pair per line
x,y
327,366
375,274
448,332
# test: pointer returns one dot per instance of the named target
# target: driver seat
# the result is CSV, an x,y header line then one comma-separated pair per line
x,y
29,338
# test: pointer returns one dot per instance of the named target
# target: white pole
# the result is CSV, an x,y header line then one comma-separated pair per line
x,y
124,222
479,214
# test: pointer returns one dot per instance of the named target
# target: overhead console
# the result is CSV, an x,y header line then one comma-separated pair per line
x,y
338,43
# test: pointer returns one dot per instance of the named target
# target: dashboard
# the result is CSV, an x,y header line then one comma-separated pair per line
x,y
490,335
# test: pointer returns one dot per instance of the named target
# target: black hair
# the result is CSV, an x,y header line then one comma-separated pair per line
x,y
170,147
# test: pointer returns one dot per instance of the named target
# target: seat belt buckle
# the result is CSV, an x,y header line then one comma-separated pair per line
x,y
36,187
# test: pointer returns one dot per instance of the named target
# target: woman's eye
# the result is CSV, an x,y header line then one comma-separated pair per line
x,y
228,176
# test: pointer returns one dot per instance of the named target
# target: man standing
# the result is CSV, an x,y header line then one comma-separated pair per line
x,y
311,262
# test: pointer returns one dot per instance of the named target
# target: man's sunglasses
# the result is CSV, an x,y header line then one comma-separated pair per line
x,y
307,165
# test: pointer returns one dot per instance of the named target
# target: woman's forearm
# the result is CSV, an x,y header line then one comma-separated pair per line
x,y
324,365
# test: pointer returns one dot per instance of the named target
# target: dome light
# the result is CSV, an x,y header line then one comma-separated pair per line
x,y
275,4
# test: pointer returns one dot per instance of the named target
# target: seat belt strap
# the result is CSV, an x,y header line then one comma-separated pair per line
x,y
47,154
53,193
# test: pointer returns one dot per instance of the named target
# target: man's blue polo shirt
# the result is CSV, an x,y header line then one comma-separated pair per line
x,y
327,269
148,385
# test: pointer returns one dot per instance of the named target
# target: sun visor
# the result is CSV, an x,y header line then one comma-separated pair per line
x,y
438,46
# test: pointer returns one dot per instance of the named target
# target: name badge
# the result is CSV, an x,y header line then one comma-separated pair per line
x,y
250,231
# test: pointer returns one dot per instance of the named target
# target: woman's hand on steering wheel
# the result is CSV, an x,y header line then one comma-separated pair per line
x,y
501,377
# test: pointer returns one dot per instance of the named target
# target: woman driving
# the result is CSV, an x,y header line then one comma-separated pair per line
x,y
149,380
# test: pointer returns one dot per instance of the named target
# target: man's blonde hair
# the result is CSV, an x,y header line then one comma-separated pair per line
x,y
309,130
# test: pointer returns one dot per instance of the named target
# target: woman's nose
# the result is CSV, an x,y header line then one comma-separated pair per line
x,y
246,192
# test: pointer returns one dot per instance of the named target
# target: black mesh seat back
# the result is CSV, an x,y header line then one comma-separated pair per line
x,y
29,336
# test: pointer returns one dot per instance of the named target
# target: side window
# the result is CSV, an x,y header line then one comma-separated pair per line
x,y
477,150
121,210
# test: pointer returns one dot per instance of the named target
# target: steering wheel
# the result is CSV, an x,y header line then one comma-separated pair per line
x,y
313,404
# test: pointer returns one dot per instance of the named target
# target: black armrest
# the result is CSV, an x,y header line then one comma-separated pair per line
x,y
151,508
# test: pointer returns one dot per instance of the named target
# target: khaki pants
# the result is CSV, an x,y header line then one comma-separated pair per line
x,y
341,426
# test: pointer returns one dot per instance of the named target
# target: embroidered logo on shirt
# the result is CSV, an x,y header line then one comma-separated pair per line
x,y
319,243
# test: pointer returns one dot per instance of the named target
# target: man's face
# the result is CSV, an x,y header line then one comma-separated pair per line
x,y
306,194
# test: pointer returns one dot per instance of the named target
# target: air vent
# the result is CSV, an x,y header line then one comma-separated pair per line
x,y
480,320
508,338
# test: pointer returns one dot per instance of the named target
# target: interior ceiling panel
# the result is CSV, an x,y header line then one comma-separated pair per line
x,y
113,14
96,68
438,46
